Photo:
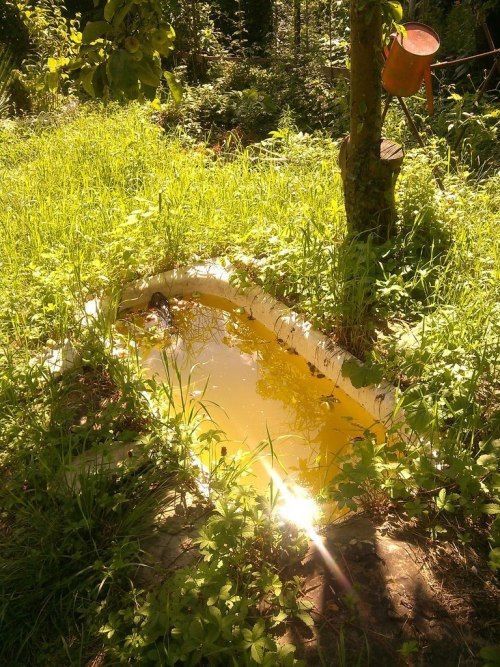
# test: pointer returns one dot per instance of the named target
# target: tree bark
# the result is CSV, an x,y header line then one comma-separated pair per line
x,y
297,25
368,180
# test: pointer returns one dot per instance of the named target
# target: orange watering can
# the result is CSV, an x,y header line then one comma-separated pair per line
x,y
408,62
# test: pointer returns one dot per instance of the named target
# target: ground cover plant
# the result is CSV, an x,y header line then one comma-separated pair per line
x,y
110,170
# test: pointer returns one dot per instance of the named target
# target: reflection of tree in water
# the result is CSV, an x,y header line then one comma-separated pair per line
x,y
311,416
280,378
198,325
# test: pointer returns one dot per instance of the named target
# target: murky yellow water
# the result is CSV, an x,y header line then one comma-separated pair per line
x,y
255,389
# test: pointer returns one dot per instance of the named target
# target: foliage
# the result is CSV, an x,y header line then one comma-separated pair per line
x,y
442,497
70,536
97,196
460,116
120,51
53,39
6,65
253,101
13,33
225,607
116,55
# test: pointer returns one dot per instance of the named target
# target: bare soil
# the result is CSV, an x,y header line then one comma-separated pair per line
x,y
395,591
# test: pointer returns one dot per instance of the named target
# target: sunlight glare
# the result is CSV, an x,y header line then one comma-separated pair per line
x,y
296,506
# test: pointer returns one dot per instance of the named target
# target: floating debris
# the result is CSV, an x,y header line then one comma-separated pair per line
x,y
331,399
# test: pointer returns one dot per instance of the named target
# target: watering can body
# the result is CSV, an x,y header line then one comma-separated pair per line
x,y
408,61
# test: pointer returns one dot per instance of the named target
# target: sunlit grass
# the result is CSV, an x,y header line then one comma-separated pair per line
x,y
107,197
102,196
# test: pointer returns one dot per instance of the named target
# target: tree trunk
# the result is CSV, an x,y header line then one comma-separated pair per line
x,y
368,179
297,25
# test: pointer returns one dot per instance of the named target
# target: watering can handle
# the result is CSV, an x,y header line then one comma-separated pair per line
x,y
428,90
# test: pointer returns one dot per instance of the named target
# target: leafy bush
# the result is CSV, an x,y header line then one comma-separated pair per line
x,y
226,607
451,491
120,52
53,41
254,99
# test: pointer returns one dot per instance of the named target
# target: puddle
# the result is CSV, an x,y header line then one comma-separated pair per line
x,y
254,388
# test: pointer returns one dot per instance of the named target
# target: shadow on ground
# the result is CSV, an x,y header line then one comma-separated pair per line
x,y
388,604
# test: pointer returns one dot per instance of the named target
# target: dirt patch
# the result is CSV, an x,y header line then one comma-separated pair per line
x,y
89,397
173,545
387,600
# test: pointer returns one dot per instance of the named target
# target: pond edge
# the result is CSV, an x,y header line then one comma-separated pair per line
x,y
380,400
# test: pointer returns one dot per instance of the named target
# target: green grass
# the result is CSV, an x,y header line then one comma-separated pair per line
x,y
69,193
97,197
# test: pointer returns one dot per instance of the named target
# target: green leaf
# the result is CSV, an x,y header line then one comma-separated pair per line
x,y
490,508
247,635
360,375
441,499
285,650
490,656
421,417
86,79
446,502
495,558
225,591
257,651
162,40
174,87
306,618
258,629
217,615
408,648
488,461
121,14
196,629
396,10
149,72
94,30
122,73
75,64
279,618
116,66
52,65
110,8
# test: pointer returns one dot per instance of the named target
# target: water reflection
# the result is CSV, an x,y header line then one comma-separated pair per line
x,y
259,389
